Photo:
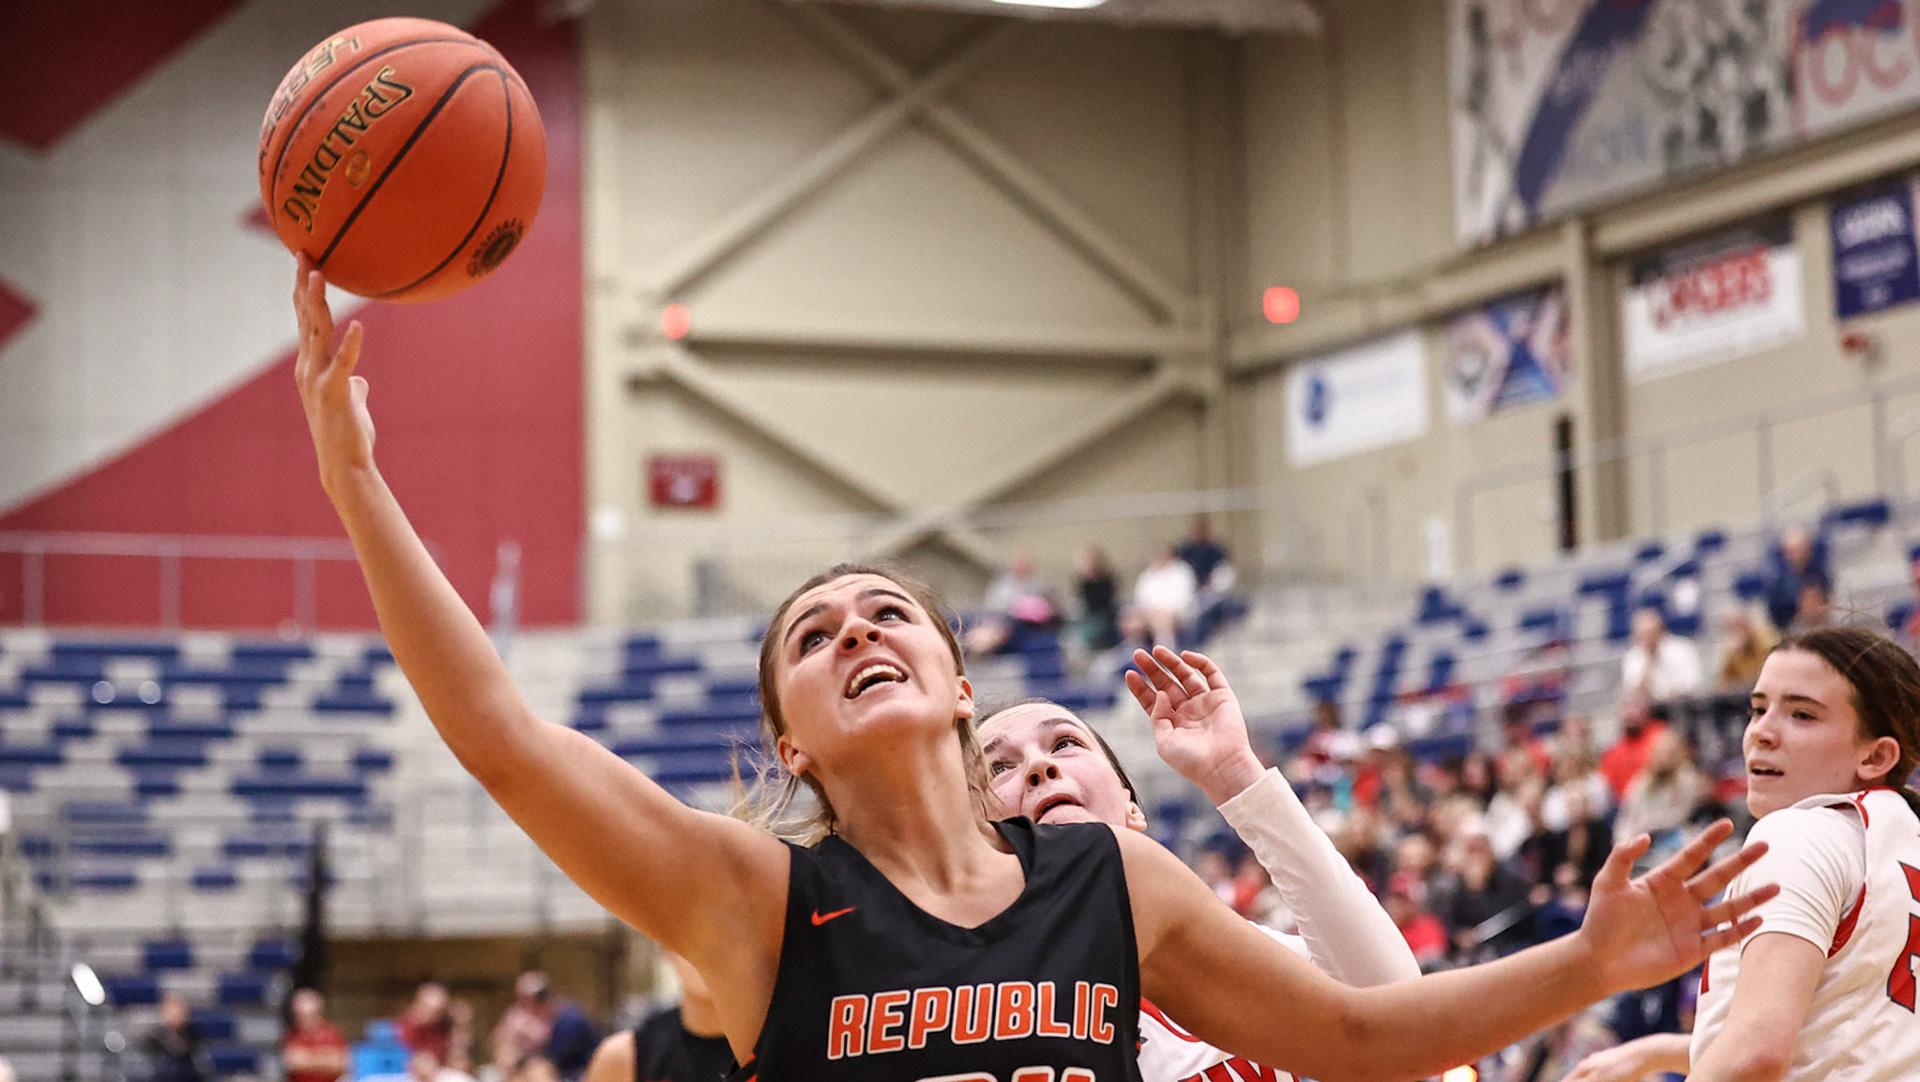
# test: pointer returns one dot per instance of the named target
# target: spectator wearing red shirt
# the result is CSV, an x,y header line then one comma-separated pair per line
x,y
1423,931
314,1050
427,1023
1627,758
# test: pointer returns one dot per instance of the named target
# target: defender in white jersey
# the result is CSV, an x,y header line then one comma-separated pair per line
x,y
1049,765
1824,989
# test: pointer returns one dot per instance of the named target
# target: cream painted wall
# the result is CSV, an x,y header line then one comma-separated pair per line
x,y
697,110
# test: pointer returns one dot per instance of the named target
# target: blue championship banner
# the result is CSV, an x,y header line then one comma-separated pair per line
x,y
1506,353
1876,264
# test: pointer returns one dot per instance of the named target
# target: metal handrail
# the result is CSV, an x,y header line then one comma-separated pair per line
x,y
304,553
1760,423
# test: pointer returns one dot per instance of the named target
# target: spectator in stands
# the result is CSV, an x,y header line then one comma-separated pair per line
x,y
1815,610
1423,931
1748,640
1513,813
427,1025
1098,592
1018,601
424,1066
1163,599
1660,666
526,1025
1213,576
571,1041
1911,628
682,1043
1577,840
314,1050
1487,910
1797,560
175,1052
1316,751
1663,798
1575,772
1624,761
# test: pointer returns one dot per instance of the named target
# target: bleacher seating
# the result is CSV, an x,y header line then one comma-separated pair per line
x,y
150,776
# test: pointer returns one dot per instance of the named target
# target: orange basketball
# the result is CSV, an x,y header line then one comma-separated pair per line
x,y
405,157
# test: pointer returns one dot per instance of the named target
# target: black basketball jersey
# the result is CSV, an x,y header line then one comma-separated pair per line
x,y
873,989
663,1051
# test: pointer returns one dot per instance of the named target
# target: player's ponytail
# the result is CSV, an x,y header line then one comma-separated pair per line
x,y
1886,691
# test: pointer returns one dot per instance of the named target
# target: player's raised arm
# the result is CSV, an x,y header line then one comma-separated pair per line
x,y
1198,730
702,884
1226,982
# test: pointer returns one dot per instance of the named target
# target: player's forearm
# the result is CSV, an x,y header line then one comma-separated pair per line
x,y
435,638
1348,934
1662,1052
1418,1028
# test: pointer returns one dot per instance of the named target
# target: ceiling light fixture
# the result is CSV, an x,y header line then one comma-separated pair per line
x,y
1074,4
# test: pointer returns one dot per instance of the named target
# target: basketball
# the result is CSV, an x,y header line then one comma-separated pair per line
x,y
405,157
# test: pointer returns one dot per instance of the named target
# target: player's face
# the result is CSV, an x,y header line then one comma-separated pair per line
x,y
858,655
1803,735
1045,764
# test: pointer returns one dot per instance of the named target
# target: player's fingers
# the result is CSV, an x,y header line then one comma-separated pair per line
x,y
1721,938
1692,855
1205,666
357,389
1617,872
1183,674
1142,691
1150,668
348,358
1712,881
1733,909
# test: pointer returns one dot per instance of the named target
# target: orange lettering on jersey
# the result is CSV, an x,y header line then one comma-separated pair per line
x,y
1048,1025
1105,998
847,1026
973,1014
1014,1018
886,1018
1033,1074
1082,1003
932,1010
1077,1074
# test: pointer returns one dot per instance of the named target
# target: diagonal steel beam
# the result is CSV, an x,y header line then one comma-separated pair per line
x,y
703,254
686,370
1071,439
999,165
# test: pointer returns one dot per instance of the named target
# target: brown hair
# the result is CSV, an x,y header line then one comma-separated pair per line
x,y
1107,749
1886,690
772,802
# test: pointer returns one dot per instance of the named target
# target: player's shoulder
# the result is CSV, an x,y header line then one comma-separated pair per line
x,y
1827,824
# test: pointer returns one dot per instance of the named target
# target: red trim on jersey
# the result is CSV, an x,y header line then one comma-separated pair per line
x,y
1147,1008
1845,931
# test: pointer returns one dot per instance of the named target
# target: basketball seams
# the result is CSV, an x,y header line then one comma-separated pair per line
x,y
506,158
400,155
294,121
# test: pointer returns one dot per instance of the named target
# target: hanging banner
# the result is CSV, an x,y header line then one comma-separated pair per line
x,y
1561,104
1731,295
1875,261
1509,352
1356,399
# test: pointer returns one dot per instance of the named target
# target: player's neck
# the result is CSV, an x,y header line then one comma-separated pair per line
x,y
700,1017
914,820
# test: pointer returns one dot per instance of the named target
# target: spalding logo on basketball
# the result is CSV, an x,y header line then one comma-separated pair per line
x,y
405,157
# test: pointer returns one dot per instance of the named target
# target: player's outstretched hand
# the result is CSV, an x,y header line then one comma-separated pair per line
x,y
1644,931
334,398
1634,1060
1197,725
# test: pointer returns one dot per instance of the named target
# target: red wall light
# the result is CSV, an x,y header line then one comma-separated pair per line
x,y
1280,304
675,321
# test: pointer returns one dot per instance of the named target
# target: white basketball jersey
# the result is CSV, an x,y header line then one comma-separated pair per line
x,y
1171,1054
1861,1025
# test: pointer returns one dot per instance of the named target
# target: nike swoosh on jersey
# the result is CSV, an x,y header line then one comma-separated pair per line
x,y
820,918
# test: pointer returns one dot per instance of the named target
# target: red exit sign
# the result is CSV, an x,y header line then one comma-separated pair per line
x,y
683,481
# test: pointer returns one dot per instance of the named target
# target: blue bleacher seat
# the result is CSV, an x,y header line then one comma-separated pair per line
x,y
1709,541
272,954
14,699
17,777
214,879
1899,614
173,752
105,882
119,648
1873,513
280,758
131,991
117,842
242,989
1440,670
1649,551
372,761
214,1025
352,700
272,785
232,1059
31,754
1511,578
1750,585
75,728
102,811
167,729
162,954
262,650
378,654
